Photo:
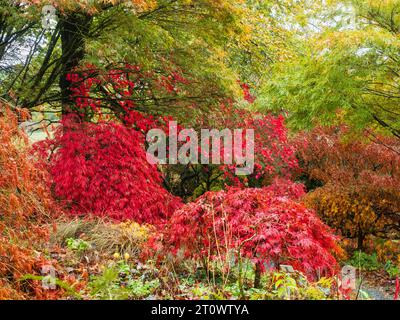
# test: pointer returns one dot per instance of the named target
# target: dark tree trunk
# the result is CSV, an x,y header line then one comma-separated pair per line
x,y
257,276
360,241
74,27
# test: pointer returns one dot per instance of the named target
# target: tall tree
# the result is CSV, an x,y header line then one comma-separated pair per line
x,y
209,41
346,70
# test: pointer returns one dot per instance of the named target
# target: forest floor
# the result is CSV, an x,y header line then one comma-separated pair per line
x,y
378,285
100,257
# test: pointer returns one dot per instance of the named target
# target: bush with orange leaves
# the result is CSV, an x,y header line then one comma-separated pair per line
x,y
360,193
25,203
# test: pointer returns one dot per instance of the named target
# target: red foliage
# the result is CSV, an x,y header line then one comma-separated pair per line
x,y
102,169
122,89
332,157
274,155
286,188
256,223
125,90
246,92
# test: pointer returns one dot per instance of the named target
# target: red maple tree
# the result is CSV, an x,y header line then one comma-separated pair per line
x,y
254,223
101,168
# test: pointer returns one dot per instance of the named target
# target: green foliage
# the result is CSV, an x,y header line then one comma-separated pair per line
x,y
106,286
214,43
364,261
341,74
310,61
78,245
60,284
118,282
392,269
295,286
275,286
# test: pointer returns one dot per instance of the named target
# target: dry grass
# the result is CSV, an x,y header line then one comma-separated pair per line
x,y
75,228
104,236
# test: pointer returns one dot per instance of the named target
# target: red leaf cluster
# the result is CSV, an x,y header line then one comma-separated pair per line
x,y
125,90
253,223
102,169
246,92
332,156
275,156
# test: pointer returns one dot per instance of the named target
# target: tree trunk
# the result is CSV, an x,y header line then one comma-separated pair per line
x,y
257,276
360,241
74,27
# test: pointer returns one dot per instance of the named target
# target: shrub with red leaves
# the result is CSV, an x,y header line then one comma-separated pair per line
x,y
256,224
102,169
274,155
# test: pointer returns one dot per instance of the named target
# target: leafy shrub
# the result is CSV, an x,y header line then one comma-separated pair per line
x,y
25,203
102,169
294,286
360,195
274,155
255,224
392,269
365,261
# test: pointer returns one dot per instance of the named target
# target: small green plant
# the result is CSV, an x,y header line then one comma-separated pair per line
x,y
139,288
285,286
392,269
364,295
201,291
117,282
364,261
106,286
77,244
316,291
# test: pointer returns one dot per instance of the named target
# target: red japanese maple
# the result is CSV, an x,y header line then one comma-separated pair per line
x,y
102,169
274,154
123,91
254,223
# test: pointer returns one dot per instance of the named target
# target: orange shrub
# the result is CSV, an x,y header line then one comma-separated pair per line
x,y
25,203
360,193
